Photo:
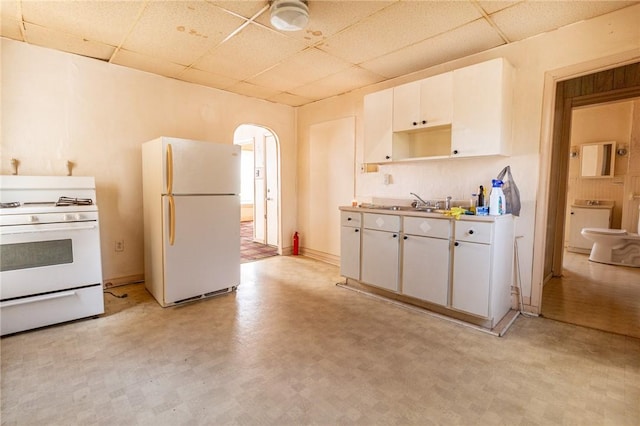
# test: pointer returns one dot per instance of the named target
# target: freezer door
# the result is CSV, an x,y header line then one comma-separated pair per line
x,y
195,167
205,255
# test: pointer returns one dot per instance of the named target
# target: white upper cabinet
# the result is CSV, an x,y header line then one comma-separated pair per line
x,y
378,113
482,97
424,103
461,113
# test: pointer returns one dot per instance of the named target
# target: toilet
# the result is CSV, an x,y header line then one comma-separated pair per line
x,y
614,246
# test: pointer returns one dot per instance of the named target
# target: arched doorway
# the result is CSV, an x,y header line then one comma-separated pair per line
x,y
260,192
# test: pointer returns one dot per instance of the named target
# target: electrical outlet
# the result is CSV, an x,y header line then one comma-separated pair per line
x,y
119,245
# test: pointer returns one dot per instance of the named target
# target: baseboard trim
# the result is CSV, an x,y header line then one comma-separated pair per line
x,y
321,256
127,279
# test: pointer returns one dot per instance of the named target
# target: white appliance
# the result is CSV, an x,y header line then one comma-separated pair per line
x,y
50,266
191,193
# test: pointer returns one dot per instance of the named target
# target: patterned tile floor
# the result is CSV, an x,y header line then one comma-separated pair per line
x,y
250,250
289,347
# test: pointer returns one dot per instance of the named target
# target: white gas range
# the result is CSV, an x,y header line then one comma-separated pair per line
x,y
50,265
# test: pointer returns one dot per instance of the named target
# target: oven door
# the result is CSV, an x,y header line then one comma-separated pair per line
x,y
43,258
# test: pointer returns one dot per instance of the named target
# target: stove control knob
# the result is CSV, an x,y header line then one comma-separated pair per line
x,y
33,219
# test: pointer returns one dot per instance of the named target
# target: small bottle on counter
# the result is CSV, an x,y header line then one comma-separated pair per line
x,y
481,197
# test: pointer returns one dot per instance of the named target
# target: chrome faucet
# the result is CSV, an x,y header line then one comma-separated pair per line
x,y
424,203
447,204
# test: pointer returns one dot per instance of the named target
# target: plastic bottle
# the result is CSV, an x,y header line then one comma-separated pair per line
x,y
481,197
496,199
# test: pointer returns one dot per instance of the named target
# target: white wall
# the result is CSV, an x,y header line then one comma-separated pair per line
x,y
58,107
613,35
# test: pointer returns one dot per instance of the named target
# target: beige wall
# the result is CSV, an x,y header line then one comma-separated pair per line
x,y
576,49
58,107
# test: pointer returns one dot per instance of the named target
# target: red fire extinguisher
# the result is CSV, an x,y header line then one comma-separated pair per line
x,y
296,244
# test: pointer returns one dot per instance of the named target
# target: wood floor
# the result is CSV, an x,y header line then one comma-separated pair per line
x,y
595,295
292,348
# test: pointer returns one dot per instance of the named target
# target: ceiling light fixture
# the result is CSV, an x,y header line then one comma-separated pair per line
x,y
289,15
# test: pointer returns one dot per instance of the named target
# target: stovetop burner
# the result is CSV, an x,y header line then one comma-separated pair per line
x,y
67,201
9,205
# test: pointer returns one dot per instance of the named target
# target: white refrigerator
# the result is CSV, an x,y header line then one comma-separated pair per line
x,y
191,202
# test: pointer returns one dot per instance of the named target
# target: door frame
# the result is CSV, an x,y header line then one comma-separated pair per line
x,y
554,155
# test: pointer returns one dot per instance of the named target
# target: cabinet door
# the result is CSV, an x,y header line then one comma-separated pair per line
x,y
586,217
378,113
471,278
481,120
436,100
425,268
380,258
350,252
406,106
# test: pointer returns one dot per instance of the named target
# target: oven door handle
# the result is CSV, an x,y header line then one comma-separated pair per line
x,y
41,298
34,231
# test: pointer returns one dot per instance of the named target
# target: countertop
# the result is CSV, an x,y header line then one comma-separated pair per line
x,y
407,211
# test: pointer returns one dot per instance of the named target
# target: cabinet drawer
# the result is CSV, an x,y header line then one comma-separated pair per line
x,y
476,232
351,219
382,222
437,228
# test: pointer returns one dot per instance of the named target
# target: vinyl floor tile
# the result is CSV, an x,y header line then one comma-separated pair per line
x,y
289,347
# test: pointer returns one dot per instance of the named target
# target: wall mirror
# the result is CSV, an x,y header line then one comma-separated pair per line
x,y
597,159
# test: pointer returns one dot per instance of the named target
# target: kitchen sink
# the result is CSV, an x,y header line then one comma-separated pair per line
x,y
403,208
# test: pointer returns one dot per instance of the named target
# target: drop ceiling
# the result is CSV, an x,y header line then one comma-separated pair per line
x,y
230,45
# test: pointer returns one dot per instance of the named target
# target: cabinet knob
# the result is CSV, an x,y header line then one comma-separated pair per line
x,y
405,237
415,123
424,121
387,157
357,230
470,231
456,244
348,218
571,212
455,151
395,235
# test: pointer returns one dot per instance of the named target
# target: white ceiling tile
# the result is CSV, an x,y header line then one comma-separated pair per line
x,y
244,8
530,18
338,83
146,63
10,28
45,37
289,99
326,18
180,31
207,79
102,21
248,89
466,40
493,6
401,24
252,50
300,69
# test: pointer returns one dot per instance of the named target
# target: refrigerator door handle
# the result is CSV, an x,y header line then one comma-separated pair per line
x,y
169,169
172,220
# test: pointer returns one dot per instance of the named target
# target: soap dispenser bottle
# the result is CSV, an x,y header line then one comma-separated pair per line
x,y
496,199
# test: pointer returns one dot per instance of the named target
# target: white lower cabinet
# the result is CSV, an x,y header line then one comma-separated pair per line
x,y
426,251
350,233
465,265
471,274
483,267
380,250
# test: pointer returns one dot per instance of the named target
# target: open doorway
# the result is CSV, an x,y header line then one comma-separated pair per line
x,y
576,290
260,231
